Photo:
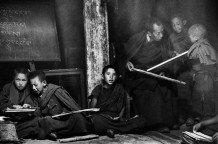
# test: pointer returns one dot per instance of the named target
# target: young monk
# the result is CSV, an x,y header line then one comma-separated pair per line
x,y
180,43
179,38
110,97
17,93
204,65
52,100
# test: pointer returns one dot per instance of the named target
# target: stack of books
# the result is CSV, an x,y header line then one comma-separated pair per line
x,y
192,137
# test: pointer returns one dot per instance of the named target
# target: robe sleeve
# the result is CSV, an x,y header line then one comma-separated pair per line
x,y
95,93
4,98
67,100
131,47
55,106
122,99
204,52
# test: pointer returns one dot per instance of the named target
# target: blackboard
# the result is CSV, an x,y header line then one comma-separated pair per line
x,y
28,31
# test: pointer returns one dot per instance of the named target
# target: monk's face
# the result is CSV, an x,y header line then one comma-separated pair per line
x,y
157,32
38,86
20,81
192,38
110,76
177,24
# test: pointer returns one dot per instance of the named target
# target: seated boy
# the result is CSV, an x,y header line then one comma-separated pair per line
x,y
110,97
17,93
204,62
52,100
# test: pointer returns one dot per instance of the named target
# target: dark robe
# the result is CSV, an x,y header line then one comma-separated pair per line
x,y
10,96
54,101
111,101
182,71
180,41
204,66
151,95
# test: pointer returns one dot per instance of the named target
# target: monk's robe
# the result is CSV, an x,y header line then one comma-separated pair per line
x,y
204,65
182,70
54,100
151,95
180,41
111,101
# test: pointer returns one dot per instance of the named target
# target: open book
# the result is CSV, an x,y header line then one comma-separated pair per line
x,y
198,136
9,110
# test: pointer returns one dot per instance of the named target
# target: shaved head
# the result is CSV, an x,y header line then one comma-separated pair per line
x,y
197,30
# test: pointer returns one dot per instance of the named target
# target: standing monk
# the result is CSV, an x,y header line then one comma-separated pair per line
x,y
181,67
151,95
204,64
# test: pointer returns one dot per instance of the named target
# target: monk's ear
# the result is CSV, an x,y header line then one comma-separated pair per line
x,y
44,83
102,76
184,22
149,36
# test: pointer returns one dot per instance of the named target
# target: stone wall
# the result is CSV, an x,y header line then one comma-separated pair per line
x,y
96,38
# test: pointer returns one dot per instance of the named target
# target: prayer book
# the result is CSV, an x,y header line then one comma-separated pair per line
x,y
198,136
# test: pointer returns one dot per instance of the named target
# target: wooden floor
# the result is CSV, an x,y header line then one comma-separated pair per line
x,y
152,137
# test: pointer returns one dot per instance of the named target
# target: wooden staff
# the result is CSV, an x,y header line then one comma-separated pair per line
x,y
79,111
159,76
78,138
169,60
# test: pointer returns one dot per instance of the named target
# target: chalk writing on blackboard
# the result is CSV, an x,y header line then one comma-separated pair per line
x,y
28,31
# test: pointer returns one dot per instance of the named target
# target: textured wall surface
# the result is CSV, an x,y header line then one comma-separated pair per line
x,y
96,37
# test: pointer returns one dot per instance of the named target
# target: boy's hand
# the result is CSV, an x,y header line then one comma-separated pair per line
x,y
215,137
196,127
17,106
162,74
174,53
116,118
130,66
27,106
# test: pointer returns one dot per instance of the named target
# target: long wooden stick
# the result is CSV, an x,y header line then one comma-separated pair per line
x,y
169,60
79,111
159,76
77,138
